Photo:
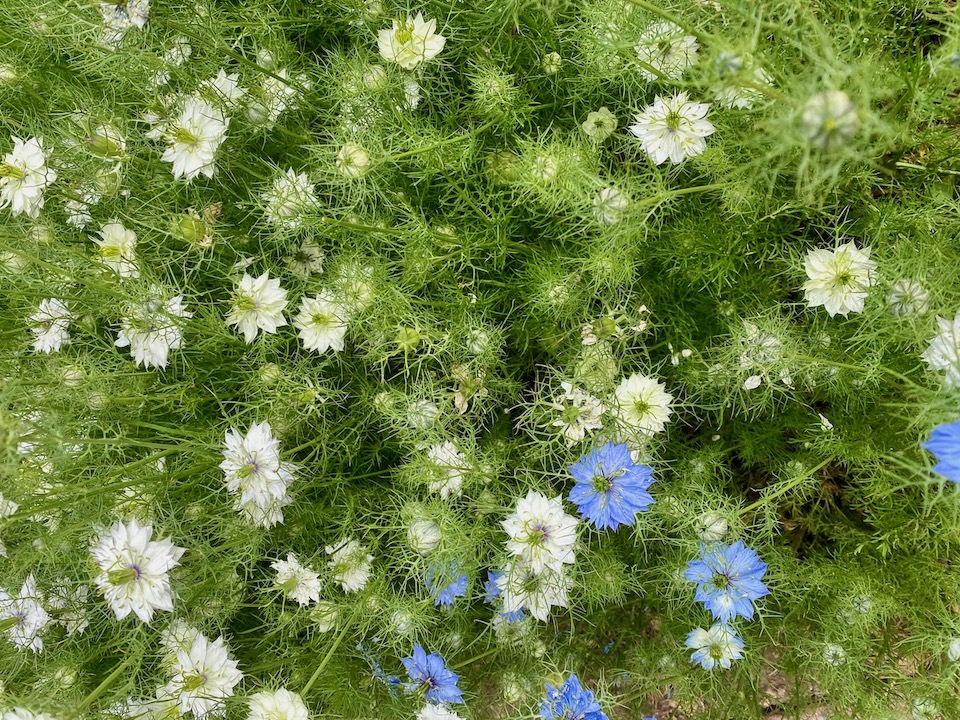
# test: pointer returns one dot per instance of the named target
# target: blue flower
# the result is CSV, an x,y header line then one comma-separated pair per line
x,y
611,489
444,592
944,442
430,672
570,702
717,646
728,579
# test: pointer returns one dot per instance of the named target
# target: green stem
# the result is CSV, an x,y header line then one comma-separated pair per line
x,y
326,658
441,143
784,489
102,687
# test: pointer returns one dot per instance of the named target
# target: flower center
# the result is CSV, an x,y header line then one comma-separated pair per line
x,y
404,34
124,576
185,137
673,121
12,171
194,682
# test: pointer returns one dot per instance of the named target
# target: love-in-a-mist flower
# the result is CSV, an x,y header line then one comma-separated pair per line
x,y
665,51
194,137
24,175
350,564
297,582
571,701
151,329
322,322
429,673
445,584
423,535
119,17
599,125
204,676
673,128
536,592
135,569
943,352
729,579
741,81
579,411
305,260
410,42
450,466
352,161
541,534
829,120
258,304
437,712
838,279
609,205
50,324
289,198
23,617
253,471
720,645
908,298
611,489
277,705
19,713
944,443
223,89
117,247
642,404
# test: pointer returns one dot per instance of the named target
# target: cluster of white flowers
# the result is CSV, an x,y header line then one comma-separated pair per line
x,y
541,541
256,476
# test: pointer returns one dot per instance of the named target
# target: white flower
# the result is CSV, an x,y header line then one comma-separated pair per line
x,y
423,535
711,527
194,138
297,582
7,507
829,120
78,208
908,297
204,677
541,534
122,16
274,96
24,176
350,564
422,414
324,616
760,353
838,279
352,161
118,249
163,706
599,124
151,330
258,304
924,709
306,260
642,404
134,569
289,198
609,206
717,646
69,604
673,128
50,324
322,322
23,617
436,712
580,413
266,514
741,80
953,652
943,353
451,466
255,474
834,654
19,713
277,705
177,636
411,42
522,589
667,51
224,89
